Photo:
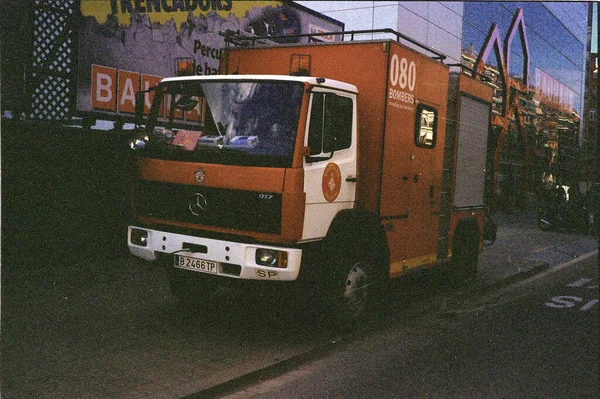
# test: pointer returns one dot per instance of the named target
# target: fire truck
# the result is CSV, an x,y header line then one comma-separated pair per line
x,y
339,165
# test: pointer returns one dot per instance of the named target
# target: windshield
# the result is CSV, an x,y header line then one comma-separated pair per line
x,y
230,122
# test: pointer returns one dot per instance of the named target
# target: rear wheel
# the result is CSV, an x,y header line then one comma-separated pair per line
x,y
465,254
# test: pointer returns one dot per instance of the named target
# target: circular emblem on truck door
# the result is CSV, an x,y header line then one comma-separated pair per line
x,y
332,182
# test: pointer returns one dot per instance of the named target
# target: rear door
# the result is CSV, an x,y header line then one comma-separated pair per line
x,y
412,164
423,187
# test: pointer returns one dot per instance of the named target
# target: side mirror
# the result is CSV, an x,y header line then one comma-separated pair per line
x,y
329,138
139,108
311,159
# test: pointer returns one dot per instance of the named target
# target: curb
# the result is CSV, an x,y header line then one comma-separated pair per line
x,y
529,268
536,265
247,380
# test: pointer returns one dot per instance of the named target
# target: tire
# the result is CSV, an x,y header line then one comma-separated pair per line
x,y
357,277
351,292
465,254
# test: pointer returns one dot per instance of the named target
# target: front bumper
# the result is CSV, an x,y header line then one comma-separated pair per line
x,y
234,259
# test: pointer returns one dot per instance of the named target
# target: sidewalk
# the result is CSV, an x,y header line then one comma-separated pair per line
x,y
521,248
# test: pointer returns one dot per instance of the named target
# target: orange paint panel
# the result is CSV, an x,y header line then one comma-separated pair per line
x,y
411,176
222,176
104,88
298,160
397,269
129,84
396,232
292,216
294,180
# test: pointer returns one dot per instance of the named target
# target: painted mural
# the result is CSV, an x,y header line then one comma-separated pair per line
x,y
128,45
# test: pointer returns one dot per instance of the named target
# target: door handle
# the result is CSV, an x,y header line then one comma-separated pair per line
x,y
416,178
351,179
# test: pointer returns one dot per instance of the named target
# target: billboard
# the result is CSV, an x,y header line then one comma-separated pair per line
x,y
128,45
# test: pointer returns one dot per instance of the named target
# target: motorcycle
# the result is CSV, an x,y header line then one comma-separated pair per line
x,y
563,208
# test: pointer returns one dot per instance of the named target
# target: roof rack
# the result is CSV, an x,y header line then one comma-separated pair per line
x,y
244,39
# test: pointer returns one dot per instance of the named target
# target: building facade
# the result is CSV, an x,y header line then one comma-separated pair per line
x,y
534,54
88,58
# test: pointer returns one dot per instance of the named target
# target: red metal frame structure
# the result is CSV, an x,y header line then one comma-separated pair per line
x,y
511,87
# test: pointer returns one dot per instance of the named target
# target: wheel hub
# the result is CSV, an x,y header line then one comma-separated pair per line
x,y
355,291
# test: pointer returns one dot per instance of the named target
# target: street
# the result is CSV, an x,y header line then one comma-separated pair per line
x,y
110,328
538,339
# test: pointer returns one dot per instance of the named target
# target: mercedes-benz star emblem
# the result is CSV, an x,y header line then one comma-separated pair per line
x,y
197,204
199,176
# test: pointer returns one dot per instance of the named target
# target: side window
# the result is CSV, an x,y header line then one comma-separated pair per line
x,y
330,123
425,126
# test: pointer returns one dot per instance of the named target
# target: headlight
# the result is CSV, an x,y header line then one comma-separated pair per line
x,y
139,143
139,237
271,258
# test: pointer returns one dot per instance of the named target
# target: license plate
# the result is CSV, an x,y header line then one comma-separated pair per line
x,y
199,265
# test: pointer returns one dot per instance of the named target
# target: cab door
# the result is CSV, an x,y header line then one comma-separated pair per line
x,y
330,168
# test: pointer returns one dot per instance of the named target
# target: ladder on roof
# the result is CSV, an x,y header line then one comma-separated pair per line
x,y
245,39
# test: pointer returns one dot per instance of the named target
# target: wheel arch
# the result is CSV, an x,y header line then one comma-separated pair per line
x,y
351,227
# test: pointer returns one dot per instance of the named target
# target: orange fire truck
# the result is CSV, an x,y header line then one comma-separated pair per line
x,y
338,164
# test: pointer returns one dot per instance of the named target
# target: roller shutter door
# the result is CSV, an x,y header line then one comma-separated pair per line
x,y
473,129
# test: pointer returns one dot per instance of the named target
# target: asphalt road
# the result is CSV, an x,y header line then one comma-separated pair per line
x,y
535,339
110,328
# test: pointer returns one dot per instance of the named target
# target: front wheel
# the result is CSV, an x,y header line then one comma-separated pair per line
x,y
355,284
356,293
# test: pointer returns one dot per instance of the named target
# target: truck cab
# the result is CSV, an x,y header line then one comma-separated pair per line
x,y
251,166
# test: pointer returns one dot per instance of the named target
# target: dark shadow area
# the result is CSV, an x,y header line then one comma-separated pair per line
x,y
64,195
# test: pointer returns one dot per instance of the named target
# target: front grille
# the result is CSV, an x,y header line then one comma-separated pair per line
x,y
235,209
